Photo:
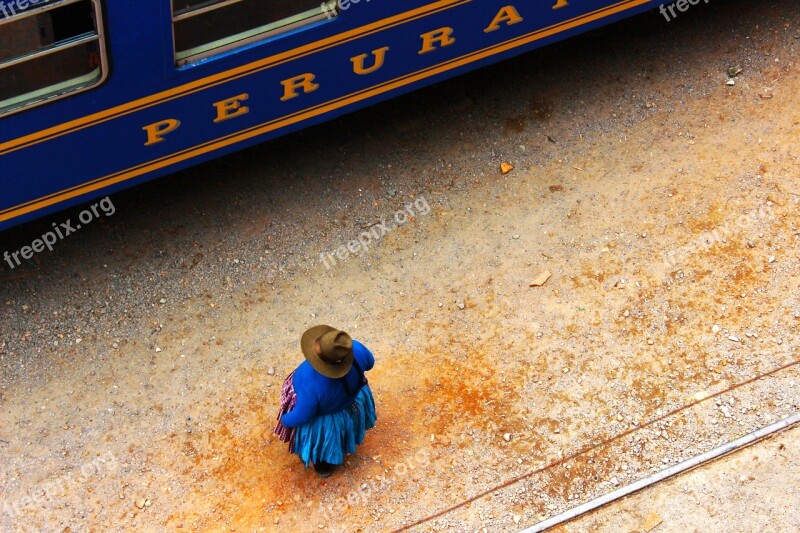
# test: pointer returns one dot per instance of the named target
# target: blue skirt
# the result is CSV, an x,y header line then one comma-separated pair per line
x,y
329,437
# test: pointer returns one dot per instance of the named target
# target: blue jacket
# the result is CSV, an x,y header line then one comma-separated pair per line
x,y
319,395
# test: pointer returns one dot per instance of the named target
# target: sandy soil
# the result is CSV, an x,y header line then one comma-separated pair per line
x,y
140,362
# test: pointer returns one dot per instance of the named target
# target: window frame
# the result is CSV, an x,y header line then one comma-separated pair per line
x,y
60,90
242,39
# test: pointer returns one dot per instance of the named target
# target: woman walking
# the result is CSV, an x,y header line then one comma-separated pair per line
x,y
326,403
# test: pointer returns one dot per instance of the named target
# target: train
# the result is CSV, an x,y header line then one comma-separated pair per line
x,y
98,95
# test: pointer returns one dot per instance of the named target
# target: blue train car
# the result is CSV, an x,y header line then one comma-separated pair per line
x,y
97,95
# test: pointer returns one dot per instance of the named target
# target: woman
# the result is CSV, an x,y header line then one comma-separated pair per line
x,y
326,404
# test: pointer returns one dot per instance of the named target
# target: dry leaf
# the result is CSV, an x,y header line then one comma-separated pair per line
x,y
651,521
540,280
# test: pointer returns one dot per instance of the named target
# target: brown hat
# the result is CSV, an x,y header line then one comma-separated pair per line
x,y
335,356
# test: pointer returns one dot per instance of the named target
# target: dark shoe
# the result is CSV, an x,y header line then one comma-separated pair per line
x,y
324,469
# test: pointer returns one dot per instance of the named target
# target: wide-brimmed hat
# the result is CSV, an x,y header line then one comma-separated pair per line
x,y
335,358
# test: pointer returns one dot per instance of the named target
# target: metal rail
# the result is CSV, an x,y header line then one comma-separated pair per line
x,y
674,470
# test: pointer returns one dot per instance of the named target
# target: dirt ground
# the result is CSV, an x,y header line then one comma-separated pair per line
x,y
141,361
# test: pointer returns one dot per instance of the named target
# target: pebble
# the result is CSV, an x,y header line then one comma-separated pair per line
x,y
626,314
271,371
771,259
715,328
515,237
507,437
516,518
734,338
140,503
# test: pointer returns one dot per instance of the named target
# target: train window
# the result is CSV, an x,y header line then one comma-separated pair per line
x,y
206,27
49,49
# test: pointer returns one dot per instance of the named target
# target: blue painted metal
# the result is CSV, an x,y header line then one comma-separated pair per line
x,y
50,171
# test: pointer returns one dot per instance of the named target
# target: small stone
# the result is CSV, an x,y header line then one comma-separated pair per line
x,y
731,82
140,503
461,305
715,328
516,518
162,301
271,371
626,314
158,350
507,437
614,481
771,259
619,418
505,168
734,338
515,237
650,342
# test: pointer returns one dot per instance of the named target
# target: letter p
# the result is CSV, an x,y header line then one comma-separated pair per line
x,y
156,131
49,239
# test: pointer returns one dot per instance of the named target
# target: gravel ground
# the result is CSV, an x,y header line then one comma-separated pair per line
x,y
729,494
140,362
